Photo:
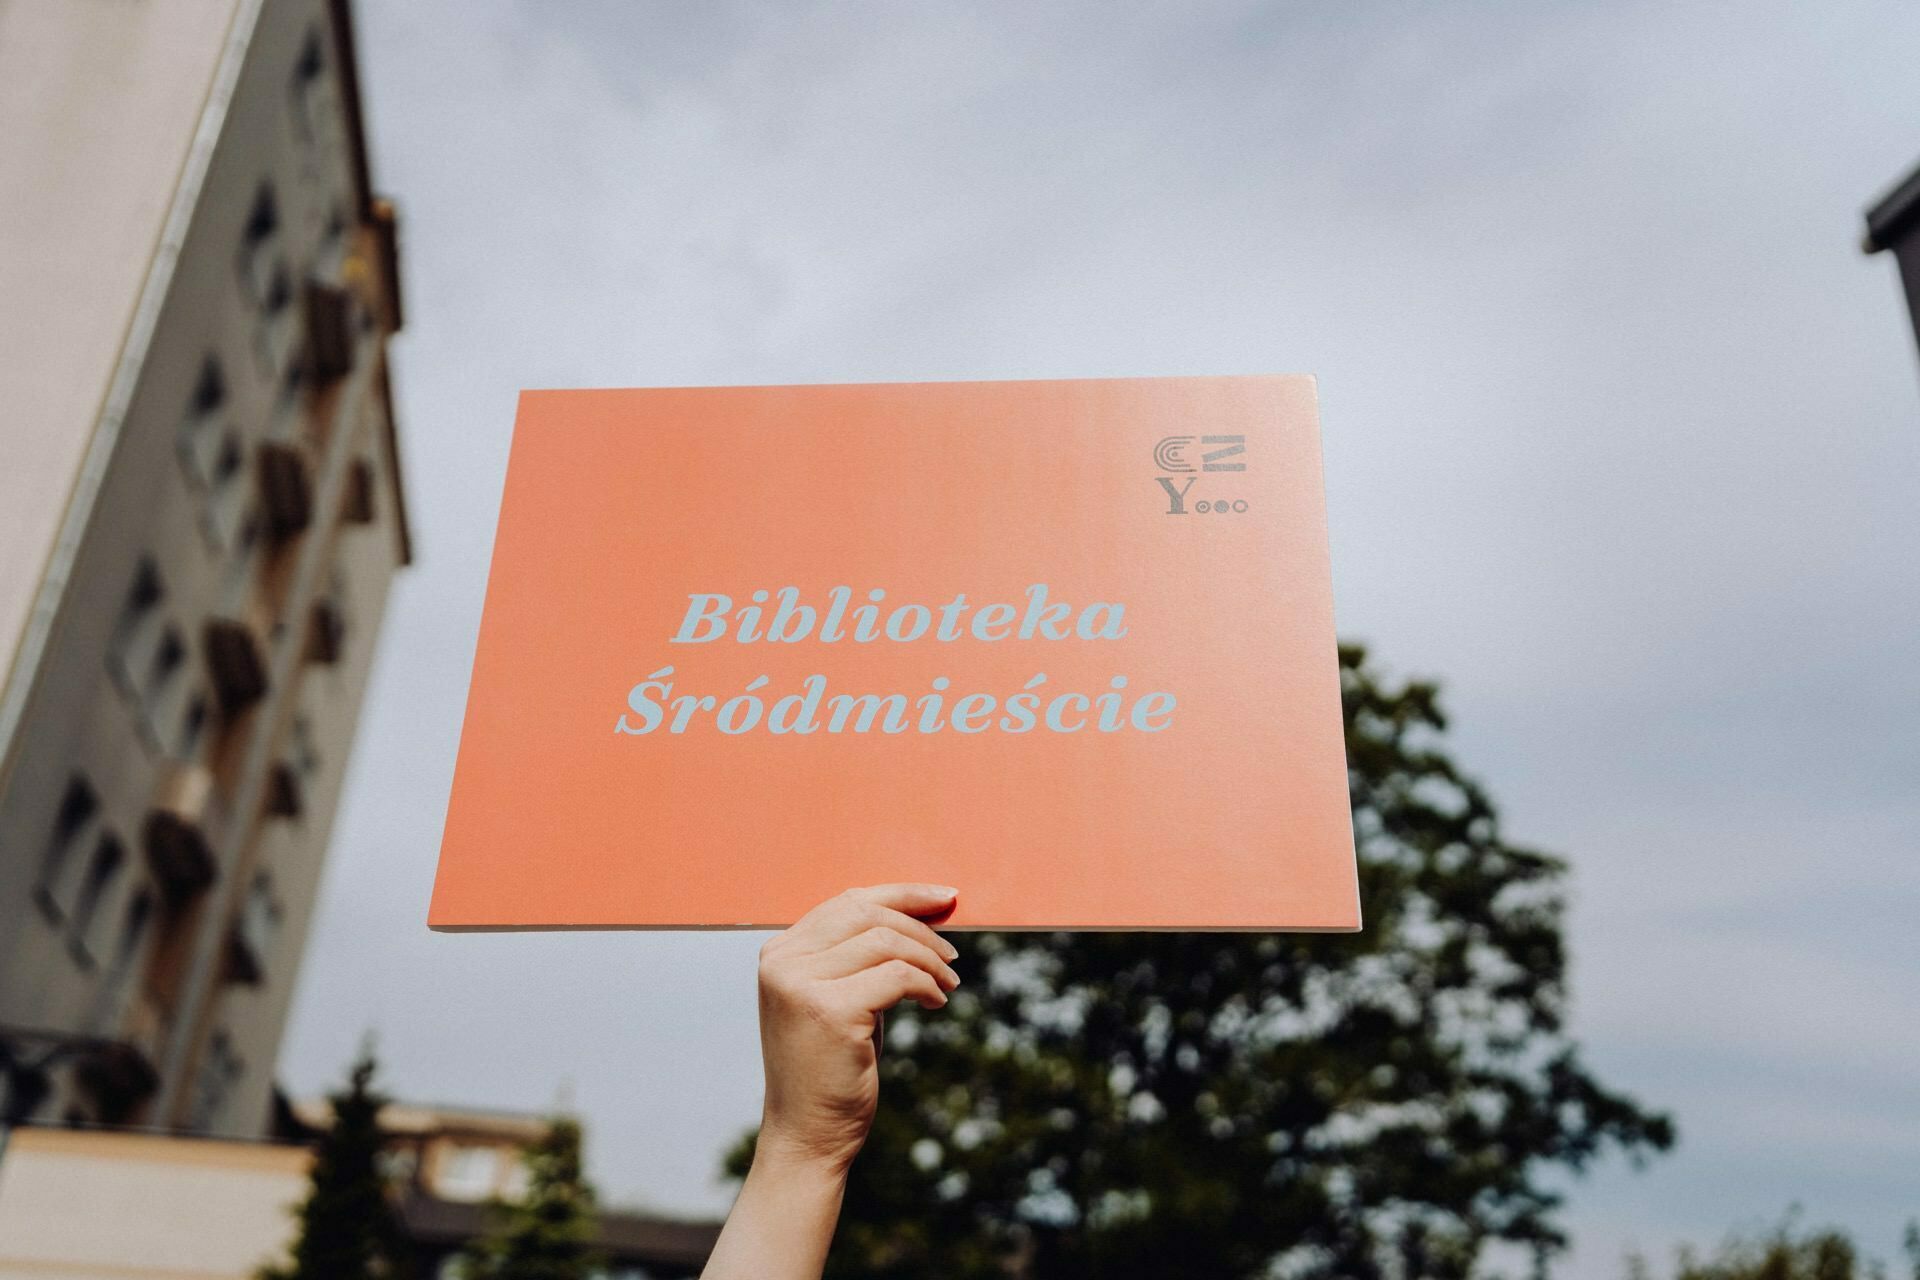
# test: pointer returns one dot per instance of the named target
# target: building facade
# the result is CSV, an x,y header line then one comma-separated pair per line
x,y
79,1204
201,511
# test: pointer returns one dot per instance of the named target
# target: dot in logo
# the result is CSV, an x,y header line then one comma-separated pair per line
x,y
1221,506
1239,504
1203,506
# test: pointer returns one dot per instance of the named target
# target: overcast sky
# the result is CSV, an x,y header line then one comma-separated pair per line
x,y
1622,437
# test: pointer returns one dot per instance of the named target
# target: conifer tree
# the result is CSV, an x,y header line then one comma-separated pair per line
x,y
347,1227
548,1233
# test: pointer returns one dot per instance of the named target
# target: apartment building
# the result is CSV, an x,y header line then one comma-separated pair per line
x,y
201,510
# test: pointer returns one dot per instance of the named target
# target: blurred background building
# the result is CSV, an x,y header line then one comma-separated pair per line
x,y
451,1165
201,509
126,1205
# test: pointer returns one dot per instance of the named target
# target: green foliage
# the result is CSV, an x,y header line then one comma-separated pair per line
x,y
548,1234
347,1229
1382,1104
1786,1253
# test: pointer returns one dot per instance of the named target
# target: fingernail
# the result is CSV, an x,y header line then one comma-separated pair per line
x,y
950,951
946,890
953,977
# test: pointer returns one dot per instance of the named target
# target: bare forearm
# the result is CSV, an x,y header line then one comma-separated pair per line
x,y
781,1224
824,984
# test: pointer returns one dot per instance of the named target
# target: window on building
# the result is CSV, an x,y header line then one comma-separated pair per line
x,y
204,422
168,659
290,404
103,872
247,544
210,390
134,924
467,1171
359,503
275,337
213,457
259,244
227,490
312,98
220,1070
191,741
112,997
290,783
279,292
333,331
261,916
303,753
333,242
141,649
329,624
75,827
162,692
137,632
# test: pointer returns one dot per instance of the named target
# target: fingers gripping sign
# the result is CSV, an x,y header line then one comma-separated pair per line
x,y
824,986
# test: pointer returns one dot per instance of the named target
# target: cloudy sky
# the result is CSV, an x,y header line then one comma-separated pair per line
x,y
1622,435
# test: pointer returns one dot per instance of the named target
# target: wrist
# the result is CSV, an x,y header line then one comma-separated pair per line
x,y
781,1151
782,1223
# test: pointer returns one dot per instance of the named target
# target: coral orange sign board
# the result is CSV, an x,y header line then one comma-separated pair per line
x,y
1067,646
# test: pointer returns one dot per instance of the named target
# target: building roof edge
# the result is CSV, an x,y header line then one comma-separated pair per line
x,y
1892,217
345,46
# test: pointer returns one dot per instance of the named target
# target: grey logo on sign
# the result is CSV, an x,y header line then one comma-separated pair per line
x,y
1171,453
1216,453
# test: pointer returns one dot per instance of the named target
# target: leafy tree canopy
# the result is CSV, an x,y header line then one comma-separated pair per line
x,y
1383,1104
1786,1253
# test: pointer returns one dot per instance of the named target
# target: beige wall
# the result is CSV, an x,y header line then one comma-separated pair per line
x,y
102,1206
98,103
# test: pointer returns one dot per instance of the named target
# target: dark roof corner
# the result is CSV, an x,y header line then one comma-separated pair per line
x,y
386,225
1895,217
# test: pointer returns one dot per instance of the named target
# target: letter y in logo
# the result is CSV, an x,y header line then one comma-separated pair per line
x,y
1176,498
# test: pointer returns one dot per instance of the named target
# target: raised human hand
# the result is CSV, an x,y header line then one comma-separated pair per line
x,y
824,985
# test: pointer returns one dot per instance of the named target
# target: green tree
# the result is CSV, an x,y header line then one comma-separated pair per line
x,y
1381,1104
1786,1253
548,1233
346,1223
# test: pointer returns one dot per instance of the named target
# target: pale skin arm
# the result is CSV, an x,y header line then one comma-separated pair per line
x,y
824,985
